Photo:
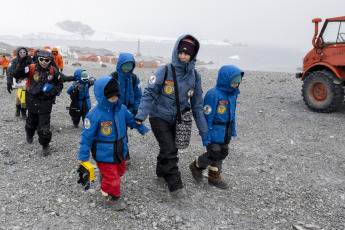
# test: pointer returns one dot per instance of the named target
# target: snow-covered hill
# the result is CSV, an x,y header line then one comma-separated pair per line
x,y
55,32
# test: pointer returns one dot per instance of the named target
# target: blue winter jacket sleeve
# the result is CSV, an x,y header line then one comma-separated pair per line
x,y
154,86
130,121
70,88
197,108
137,95
210,102
87,137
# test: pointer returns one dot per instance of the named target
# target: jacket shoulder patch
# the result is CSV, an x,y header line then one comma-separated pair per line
x,y
106,123
87,123
207,109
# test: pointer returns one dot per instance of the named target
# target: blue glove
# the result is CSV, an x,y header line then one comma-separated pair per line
x,y
47,87
206,140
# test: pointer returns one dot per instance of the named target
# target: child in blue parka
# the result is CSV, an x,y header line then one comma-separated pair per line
x,y
104,134
129,86
79,91
219,110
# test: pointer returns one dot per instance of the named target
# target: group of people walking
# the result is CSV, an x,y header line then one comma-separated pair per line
x,y
173,93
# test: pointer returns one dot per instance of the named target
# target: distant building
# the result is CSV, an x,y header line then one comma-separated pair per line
x,y
64,51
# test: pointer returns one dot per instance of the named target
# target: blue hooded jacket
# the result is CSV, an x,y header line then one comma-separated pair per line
x,y
220,107
84,91
129,97
104,131
158,99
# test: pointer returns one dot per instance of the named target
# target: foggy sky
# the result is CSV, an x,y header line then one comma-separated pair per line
x,y
266,21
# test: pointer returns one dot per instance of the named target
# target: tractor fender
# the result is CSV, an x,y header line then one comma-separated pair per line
x,y
339,73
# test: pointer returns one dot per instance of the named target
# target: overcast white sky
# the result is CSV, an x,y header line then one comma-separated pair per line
x,y
260,21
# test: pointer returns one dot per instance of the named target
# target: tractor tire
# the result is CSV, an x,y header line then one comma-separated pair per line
x,y
320,93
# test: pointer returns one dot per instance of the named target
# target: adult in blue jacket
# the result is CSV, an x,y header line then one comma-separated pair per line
x,y
129,85
104,133
219,109
82,84
158,101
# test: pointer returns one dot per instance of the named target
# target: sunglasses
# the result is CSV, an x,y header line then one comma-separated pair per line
x,y
42,59
22,52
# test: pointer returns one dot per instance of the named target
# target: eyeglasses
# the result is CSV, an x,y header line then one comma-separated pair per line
x,y
22,52
45,60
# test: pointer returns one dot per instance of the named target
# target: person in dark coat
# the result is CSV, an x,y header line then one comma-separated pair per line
x,y
43,86
23,59
158,101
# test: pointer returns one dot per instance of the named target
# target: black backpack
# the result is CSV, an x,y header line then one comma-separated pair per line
x,y
74,109
134,78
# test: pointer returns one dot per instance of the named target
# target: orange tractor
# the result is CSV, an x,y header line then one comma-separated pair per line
x,y
324,67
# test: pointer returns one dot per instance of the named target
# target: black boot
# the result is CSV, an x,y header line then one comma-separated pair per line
x,y
29,138
23,113
18,107
46,150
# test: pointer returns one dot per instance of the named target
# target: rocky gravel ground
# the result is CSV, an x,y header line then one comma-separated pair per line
x,y
286,168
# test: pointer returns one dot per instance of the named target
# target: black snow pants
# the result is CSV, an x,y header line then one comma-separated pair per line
x,y
167,158
41,123
216,153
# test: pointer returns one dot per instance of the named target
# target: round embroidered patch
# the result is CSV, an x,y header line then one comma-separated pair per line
x,y
87,123
50,77
221,109
106,130
168,89
36,76
152,79
27,69
190,92
207,109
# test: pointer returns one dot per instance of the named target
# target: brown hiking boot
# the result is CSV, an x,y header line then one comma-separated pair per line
x,y
196,171
215,179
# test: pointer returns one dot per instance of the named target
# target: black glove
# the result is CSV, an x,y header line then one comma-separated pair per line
x,y
9,87
139,120
92,80
135,112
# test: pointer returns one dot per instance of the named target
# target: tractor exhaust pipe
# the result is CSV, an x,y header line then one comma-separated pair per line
x,y
316,21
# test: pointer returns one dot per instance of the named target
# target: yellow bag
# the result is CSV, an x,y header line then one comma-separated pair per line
x,y
86,174
21,95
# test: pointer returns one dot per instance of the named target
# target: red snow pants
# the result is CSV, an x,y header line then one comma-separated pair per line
x,y
112,174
